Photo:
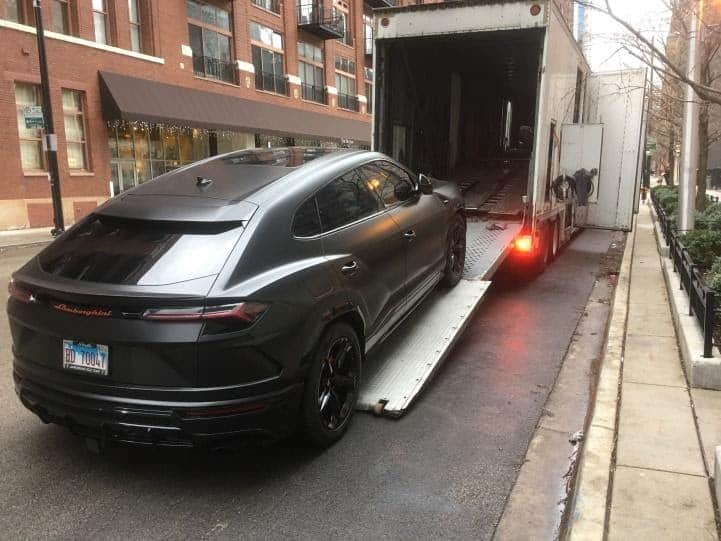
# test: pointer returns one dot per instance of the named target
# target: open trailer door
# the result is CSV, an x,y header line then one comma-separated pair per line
x,y
616,102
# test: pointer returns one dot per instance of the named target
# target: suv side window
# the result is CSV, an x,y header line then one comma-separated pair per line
x,y
306,222
346,200
395,184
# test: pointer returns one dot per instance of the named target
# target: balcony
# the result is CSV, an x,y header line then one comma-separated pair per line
x,y
348,102
380,3
214,68
320,21
271,82
313,93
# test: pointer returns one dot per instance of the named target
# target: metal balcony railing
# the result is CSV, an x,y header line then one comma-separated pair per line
x,y
348,101
214,68
271,82
313,93
321,21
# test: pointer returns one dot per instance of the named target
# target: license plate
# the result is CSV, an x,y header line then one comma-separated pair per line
x,y
92,358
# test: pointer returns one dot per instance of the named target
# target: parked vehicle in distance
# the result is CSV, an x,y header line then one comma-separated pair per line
x,y
236,296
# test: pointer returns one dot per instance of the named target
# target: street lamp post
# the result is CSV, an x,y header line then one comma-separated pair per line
x,y
50,141
689,141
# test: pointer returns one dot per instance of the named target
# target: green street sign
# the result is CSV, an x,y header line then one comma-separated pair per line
x,y
33,115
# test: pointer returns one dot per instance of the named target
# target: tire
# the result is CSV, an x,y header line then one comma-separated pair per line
x,y
455,252
331,388
544,251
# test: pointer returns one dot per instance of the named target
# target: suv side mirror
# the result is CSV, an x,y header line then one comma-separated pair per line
x,y
424,184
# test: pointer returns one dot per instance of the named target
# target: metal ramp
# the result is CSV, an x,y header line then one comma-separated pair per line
x,y
487,243
396,372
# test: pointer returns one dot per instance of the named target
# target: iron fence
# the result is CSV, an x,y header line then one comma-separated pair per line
x,y
702,299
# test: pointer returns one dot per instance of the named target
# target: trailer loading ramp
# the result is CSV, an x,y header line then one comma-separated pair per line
x,y
397,371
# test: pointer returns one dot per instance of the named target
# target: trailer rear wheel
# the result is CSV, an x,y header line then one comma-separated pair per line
x,y
456,252
555,241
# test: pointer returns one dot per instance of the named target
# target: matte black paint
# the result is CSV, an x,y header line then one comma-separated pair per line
x,y
162,372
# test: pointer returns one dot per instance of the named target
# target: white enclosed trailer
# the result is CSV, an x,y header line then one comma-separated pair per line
x,y
496,96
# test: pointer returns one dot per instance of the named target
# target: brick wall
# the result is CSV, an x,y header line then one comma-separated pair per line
x,y
76,67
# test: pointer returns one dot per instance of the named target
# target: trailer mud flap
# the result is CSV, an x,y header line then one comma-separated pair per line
x,y
396,372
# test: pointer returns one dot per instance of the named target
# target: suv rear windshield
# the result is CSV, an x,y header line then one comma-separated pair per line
x,y
140,252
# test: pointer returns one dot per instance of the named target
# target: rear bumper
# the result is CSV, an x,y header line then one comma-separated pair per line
x,y
218,421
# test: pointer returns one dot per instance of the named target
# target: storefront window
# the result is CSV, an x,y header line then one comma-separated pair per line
x,y
140,152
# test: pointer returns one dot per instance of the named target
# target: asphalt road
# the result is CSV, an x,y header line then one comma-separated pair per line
x,y
443,471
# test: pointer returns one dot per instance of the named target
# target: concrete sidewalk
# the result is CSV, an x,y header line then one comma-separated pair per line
x,y
25,237
660,484
649,454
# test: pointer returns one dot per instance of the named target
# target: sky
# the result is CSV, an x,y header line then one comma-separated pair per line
x,y
602,38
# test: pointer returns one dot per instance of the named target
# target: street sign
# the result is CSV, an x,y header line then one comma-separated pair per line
x,y
33,115
651,145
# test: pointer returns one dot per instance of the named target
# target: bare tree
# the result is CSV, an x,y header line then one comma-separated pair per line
x,y
668,59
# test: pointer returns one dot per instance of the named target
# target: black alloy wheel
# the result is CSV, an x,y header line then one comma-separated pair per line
x,y
332,387
456,254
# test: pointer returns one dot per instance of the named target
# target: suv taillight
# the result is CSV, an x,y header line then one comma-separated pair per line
x,y
18,293
246,312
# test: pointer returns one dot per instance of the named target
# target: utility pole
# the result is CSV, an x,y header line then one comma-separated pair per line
x,y
50,141
689,141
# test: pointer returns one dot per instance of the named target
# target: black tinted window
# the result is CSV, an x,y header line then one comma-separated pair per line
x,y
345,200
140,252
306,222
394,183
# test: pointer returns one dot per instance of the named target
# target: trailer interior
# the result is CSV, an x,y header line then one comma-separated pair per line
x,y
462,108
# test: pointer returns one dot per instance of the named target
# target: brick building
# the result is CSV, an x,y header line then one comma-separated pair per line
x,y
139,87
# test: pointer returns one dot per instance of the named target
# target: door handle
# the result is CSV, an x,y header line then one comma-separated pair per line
x,y
410,234
349,268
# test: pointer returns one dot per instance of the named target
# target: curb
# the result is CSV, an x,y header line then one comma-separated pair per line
x,y
28,244
702,372
587,517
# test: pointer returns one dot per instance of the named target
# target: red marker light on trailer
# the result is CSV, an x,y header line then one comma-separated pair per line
x,y
385,21
524,243
535,9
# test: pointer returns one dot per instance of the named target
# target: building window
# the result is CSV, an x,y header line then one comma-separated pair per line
x,y
136,36
100,21
270,5
74,118
369,97
267,49
311,72
368,33
368,77
139,152
20,11
210,40
60,23
31,148
345,83
341,15
347,97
